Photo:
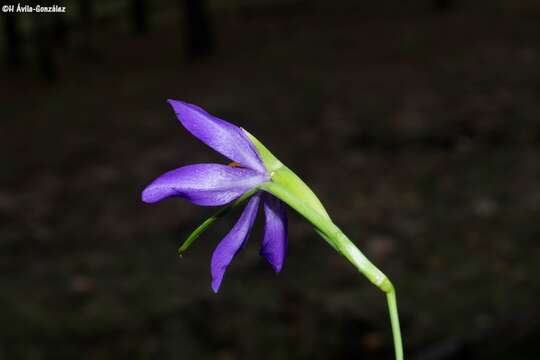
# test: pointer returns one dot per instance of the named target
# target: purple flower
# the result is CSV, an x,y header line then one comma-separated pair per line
x,y
218,184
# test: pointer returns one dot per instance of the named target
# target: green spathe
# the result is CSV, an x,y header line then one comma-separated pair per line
x,y
289,188
282,175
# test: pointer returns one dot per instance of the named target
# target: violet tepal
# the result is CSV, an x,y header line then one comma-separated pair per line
x,y
218,184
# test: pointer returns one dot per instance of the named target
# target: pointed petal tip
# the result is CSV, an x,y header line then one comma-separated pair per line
x,y
148,196
153,194
270,257
216,285
222,136
277,268
176,103
182,108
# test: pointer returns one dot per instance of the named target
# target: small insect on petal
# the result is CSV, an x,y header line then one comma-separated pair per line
x,y
234,164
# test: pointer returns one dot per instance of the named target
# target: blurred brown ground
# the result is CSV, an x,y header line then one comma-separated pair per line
x,y
419,131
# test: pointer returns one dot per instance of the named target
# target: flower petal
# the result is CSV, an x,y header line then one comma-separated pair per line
x,y
203,184
274,245
220,135
224,210
233,242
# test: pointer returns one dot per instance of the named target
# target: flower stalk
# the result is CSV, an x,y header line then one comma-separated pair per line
x,y
342,244
289,188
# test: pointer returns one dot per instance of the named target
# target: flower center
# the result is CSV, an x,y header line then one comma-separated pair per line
x,y
234,164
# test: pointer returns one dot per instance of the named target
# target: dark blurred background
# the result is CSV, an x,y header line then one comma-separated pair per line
x,y
416,122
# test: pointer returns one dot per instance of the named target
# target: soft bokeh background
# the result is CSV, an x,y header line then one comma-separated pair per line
x,y
416,122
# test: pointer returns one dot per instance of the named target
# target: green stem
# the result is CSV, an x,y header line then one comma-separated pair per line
x,y
342,244
394,319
